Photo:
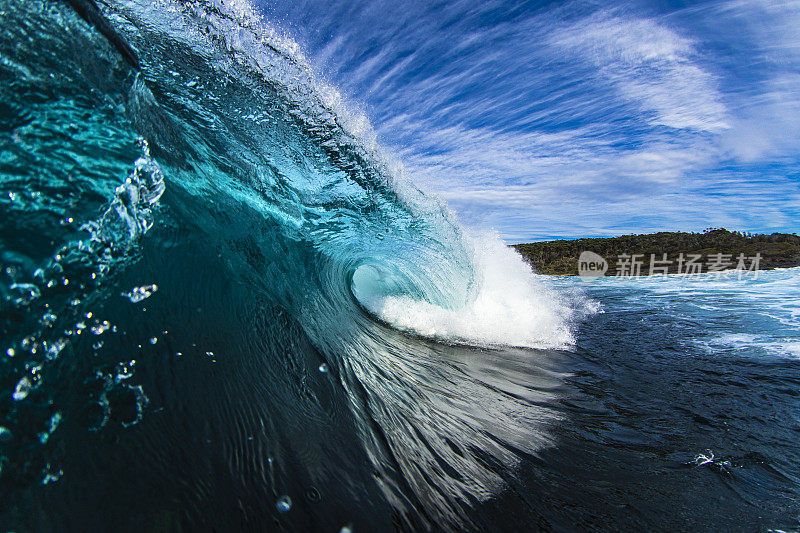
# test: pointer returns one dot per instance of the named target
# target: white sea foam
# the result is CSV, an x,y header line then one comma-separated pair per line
x,y
749,317
509,305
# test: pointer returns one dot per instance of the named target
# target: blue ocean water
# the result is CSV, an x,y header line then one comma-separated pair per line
x,y
225,307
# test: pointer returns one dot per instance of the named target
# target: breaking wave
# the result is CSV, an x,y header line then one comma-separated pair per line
x,y
131,127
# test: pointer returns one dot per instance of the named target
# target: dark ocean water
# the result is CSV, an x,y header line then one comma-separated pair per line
x,y
223,308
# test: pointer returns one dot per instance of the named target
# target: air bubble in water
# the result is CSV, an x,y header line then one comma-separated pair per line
x,y
323,368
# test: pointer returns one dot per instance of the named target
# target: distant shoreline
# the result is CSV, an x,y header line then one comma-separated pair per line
x,y
714,250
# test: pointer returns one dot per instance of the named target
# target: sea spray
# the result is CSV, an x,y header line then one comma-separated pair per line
x,y
508,303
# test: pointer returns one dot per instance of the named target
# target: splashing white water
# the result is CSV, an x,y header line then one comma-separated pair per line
x,y
510,305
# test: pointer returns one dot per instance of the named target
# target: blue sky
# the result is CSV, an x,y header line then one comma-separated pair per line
x,y
573,119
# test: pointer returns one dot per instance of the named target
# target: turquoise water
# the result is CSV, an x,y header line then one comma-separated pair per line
x,y
224,305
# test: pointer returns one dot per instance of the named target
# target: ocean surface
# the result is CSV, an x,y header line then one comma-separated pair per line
x,y
224,307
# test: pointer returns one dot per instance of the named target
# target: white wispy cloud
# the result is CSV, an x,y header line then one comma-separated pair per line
x,y
767,121
486,172
650,64
592,120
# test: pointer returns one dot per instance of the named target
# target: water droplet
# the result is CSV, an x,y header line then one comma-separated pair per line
x,y
137,294
153,340
11,352
101,327
284,504
35,375
124,370
178,354
346,529
323,368
48,318
51,476
210,354
24,293
55,350
55,420
22,389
